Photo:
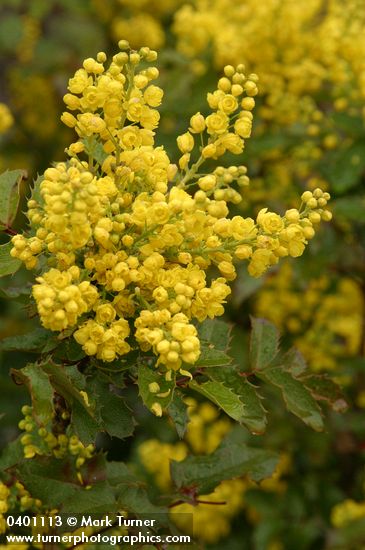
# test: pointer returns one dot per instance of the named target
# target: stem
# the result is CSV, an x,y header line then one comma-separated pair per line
x,y
191,172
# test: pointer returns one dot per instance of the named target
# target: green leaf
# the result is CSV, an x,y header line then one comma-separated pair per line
x,y
297,398
237,398
264,343
84,418
11,455
84,422
116,417
31,341
222,396
40,390
55,482
215,337
231,459
148,376
131,492
294,362
253,414
325,389
99,499
118,472
211,357
10,182
45,479
178,412
36,190
215,332
8,264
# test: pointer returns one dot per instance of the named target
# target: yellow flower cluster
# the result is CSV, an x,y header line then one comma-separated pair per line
x,y
298,48
15,495
6,118
60,302
226,127
206,427
324,316
4,494
155,457
125,239
42,441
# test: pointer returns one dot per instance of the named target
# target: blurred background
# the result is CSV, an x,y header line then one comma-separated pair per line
x,y
309,131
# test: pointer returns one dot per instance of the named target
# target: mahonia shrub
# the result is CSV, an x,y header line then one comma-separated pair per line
x,y
122,242
131,258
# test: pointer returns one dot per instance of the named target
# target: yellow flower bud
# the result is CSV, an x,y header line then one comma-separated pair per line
x,y
207,183
197,123
68,119
209,151
185,142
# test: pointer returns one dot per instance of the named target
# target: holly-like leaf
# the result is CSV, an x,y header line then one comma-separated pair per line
x,y
215,332
297,397
253,413
222,396
178,412
264,343
237,398
325,389
118,472
56,482
8,264
36,190
215,337
53,481
84,417
10,183
40,389
151,379
31,341
67,349
11,455
116,418
231,459
212,357
294,362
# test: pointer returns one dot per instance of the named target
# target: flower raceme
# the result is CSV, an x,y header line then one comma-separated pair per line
x,y
130,248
